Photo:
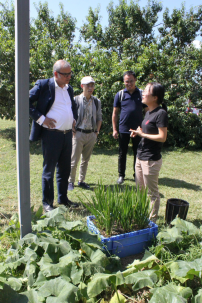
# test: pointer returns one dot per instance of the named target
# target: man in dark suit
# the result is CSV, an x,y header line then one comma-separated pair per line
x,y
54,115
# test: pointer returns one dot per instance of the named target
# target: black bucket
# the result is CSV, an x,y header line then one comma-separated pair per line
x,y
176,207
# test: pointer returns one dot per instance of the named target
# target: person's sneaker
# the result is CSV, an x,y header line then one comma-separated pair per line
x,y
69,203
120,180
83,185
47,207
71,186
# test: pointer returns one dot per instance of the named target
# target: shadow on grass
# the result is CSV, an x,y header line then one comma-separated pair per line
x,y
175,183
114,150
35,148
4,218
81,211
9,134
197,222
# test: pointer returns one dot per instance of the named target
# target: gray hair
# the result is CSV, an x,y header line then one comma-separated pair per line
x,y
59,64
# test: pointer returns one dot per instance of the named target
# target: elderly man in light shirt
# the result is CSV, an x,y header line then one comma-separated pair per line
x,y
86,131
54,113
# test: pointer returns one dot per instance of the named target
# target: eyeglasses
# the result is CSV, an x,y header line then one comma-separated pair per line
x,y
129,82
66,74
90,85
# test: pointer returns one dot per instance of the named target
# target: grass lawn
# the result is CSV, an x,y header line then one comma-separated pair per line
x,y
180,177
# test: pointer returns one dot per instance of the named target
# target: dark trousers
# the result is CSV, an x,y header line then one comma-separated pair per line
x,y
124,140
57,149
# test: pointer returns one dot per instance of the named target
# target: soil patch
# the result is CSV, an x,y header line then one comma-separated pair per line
x,y
125,261
117,230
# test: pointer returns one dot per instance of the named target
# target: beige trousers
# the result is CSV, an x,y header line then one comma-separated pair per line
x,y
146,175
82,146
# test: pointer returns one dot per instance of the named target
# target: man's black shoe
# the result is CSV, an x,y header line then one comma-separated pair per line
x,y
120,180
83,185
47,208
69,203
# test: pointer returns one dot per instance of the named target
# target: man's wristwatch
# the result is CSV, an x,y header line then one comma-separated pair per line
x,y
97,132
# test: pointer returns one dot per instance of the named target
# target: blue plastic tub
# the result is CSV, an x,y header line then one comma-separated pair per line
x,y
126,244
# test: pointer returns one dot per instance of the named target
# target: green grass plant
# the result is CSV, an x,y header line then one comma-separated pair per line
x,y
123,208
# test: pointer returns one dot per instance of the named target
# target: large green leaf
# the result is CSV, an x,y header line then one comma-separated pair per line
x,y
100,282
30,272
14,283
28,239
173,267
2,267
71,272
8,295
146,278
64,247
30,255
84,236
50,219
91,268
185,226
95,255
187,269
59,288
148,261
198,297
32,296
170,235
41,279
170,293
118,297
70,225
47,267
70,257
82,291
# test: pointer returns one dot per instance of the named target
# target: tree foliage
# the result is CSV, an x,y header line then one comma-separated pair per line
x,y
128,42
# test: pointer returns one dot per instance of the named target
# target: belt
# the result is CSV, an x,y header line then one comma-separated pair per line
x,y
86,131
60,131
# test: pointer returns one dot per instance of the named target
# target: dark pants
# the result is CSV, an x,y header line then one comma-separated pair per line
x,y
57,149
124,140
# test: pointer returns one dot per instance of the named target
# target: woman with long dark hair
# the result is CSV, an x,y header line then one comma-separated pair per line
x,y
153,133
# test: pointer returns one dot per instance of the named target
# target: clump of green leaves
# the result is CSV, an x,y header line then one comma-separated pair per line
x,y
126,208
61,262
181,242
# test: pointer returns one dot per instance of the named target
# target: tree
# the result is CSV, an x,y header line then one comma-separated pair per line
x,y
7,62
50,39
127,43
125,22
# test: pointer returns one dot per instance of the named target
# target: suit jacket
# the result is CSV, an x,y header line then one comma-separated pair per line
x,y
43,93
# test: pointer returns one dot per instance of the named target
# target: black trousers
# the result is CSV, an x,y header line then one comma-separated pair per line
x,y
57,149
124,140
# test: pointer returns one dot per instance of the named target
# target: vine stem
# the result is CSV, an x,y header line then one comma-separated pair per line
x,y
3,216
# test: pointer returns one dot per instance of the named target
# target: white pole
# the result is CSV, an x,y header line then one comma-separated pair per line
x,y
22,112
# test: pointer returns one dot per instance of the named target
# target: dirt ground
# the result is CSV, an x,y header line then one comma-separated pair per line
x,y
125,261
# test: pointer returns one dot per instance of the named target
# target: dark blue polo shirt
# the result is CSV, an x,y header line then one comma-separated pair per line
x,y
131,110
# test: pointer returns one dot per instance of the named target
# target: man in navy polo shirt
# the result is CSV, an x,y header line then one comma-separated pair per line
x,y
129,102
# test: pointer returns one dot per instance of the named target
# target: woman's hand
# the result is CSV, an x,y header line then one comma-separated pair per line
x,y
160,137
136,132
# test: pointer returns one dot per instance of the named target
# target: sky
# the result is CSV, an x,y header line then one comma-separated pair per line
x,y
79,8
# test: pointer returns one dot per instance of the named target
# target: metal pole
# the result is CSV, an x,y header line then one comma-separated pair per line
x,y
22,112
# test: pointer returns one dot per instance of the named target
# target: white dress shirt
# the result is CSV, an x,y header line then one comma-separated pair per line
x,y
61,110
